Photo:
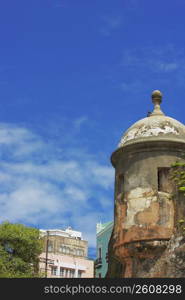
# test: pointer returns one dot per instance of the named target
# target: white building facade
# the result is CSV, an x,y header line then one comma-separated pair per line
x,y
65,255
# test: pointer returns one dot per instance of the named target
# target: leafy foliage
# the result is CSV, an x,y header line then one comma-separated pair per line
x,y
178,175
20,247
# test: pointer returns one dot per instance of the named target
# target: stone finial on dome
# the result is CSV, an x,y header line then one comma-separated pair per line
x,y
156,99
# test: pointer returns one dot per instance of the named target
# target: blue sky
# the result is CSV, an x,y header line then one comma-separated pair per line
x,y
74,75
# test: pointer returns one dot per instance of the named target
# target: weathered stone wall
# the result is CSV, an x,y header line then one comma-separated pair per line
x,y
171,264
145,218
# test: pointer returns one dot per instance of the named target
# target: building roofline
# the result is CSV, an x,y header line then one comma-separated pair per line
x,y
111,224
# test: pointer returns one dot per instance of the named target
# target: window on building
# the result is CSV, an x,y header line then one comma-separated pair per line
x,y
71,251
61,248
120,183
164,183
67,273
67,250
50,246
107,257
99,252
71,273
99,275
78,251
79,273
62,272
53,270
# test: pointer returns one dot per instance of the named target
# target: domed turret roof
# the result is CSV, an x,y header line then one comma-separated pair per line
x,y
156,126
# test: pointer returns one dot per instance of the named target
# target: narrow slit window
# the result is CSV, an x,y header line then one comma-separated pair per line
x,y
120,183
164,182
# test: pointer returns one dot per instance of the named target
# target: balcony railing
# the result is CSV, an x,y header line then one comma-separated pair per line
x,y
98,263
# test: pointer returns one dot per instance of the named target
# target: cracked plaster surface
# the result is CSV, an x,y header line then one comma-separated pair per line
x,y
137,203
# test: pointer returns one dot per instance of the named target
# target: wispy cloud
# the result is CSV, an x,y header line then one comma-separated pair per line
x,y
79,122
162,64
39,188
158,59
110,24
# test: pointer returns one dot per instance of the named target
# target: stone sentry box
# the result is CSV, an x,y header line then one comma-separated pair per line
x,y
145,211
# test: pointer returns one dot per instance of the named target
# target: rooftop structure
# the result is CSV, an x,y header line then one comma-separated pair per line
x,y
68,232
155,127
145,210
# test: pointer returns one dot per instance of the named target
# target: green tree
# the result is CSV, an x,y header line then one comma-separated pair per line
x,y
20,247
178,175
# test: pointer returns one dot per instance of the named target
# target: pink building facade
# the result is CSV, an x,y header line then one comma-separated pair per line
x,y
65,255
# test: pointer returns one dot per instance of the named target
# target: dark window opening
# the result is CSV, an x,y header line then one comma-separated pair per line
x,y
79,274
54,270
99,252
99,275
120,183
164,182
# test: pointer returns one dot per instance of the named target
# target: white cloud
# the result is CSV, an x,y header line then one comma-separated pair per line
x,y
158,59
79,122
166,67
54,192
110,24
163,65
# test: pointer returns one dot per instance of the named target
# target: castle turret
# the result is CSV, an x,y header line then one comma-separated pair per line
x,y
144,213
